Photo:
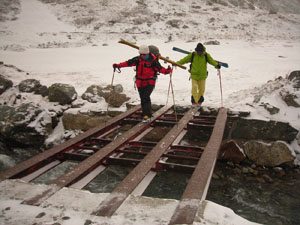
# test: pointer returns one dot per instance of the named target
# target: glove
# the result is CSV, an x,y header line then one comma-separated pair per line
x,y
169,69
116,66
218,66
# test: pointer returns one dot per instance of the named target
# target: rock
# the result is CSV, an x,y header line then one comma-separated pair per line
x,y
66,218
271,109
40,215
295,77
93,94
6,162
112,96
260,180
237,170
25,125
212,42
264,154
88,222
277,169
4,84
230,151
32,85
290,99
118,88
80,121
263,130
267,178
115,99
62,93
245,170
231,164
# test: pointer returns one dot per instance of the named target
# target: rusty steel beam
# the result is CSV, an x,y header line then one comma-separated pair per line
x,y
87,165
127,186
48,156
197,187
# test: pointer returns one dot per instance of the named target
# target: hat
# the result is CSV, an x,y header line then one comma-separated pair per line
x,y
144,49
200,48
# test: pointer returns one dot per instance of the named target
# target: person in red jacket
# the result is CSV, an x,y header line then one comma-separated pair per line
x,y
147,67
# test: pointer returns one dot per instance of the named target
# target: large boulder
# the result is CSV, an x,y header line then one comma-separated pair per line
x,y
93,94
80,121
4,84
85,120
62,93
25,125
32,85
263,130
265,154
231,151
115,99
112,95
295,77
290,99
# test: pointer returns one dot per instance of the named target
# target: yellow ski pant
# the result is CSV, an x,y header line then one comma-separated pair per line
x,y
198,89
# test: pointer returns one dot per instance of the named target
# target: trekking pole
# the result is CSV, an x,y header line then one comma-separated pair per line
x,y
111,88
219,74
168,91
171,85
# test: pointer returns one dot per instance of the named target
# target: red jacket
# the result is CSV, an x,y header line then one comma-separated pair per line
x,y
146,70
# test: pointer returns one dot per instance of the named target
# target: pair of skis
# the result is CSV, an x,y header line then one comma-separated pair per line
x,y
187,52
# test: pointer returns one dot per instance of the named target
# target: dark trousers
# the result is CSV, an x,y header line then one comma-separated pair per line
x,y
145,93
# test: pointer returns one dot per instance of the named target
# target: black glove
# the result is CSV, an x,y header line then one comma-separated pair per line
x,y
116,66
218,66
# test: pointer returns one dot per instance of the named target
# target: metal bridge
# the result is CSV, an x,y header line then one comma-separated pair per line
x,y
95,151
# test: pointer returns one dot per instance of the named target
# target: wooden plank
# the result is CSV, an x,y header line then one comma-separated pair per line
x,y
127,186
48,156
197,187
89,164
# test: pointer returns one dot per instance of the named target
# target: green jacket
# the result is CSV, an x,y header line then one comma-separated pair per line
x,y
199,65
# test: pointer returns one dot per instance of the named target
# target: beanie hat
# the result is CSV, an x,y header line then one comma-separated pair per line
x,y
144,49
200,48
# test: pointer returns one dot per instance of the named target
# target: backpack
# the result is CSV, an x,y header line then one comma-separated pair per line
x,y
154,50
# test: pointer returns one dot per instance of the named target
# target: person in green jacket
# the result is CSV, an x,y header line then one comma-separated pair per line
x,y
198,70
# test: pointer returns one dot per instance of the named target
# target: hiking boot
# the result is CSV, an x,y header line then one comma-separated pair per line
x,y
146,119
201,100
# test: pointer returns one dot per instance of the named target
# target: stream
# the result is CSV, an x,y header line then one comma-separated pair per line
x,y
269,197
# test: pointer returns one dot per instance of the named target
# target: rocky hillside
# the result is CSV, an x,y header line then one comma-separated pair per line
x,y
181,19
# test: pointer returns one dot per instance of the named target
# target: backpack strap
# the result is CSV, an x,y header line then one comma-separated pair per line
x,y
192,59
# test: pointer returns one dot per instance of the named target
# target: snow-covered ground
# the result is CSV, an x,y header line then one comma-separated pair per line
x,y
50,43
